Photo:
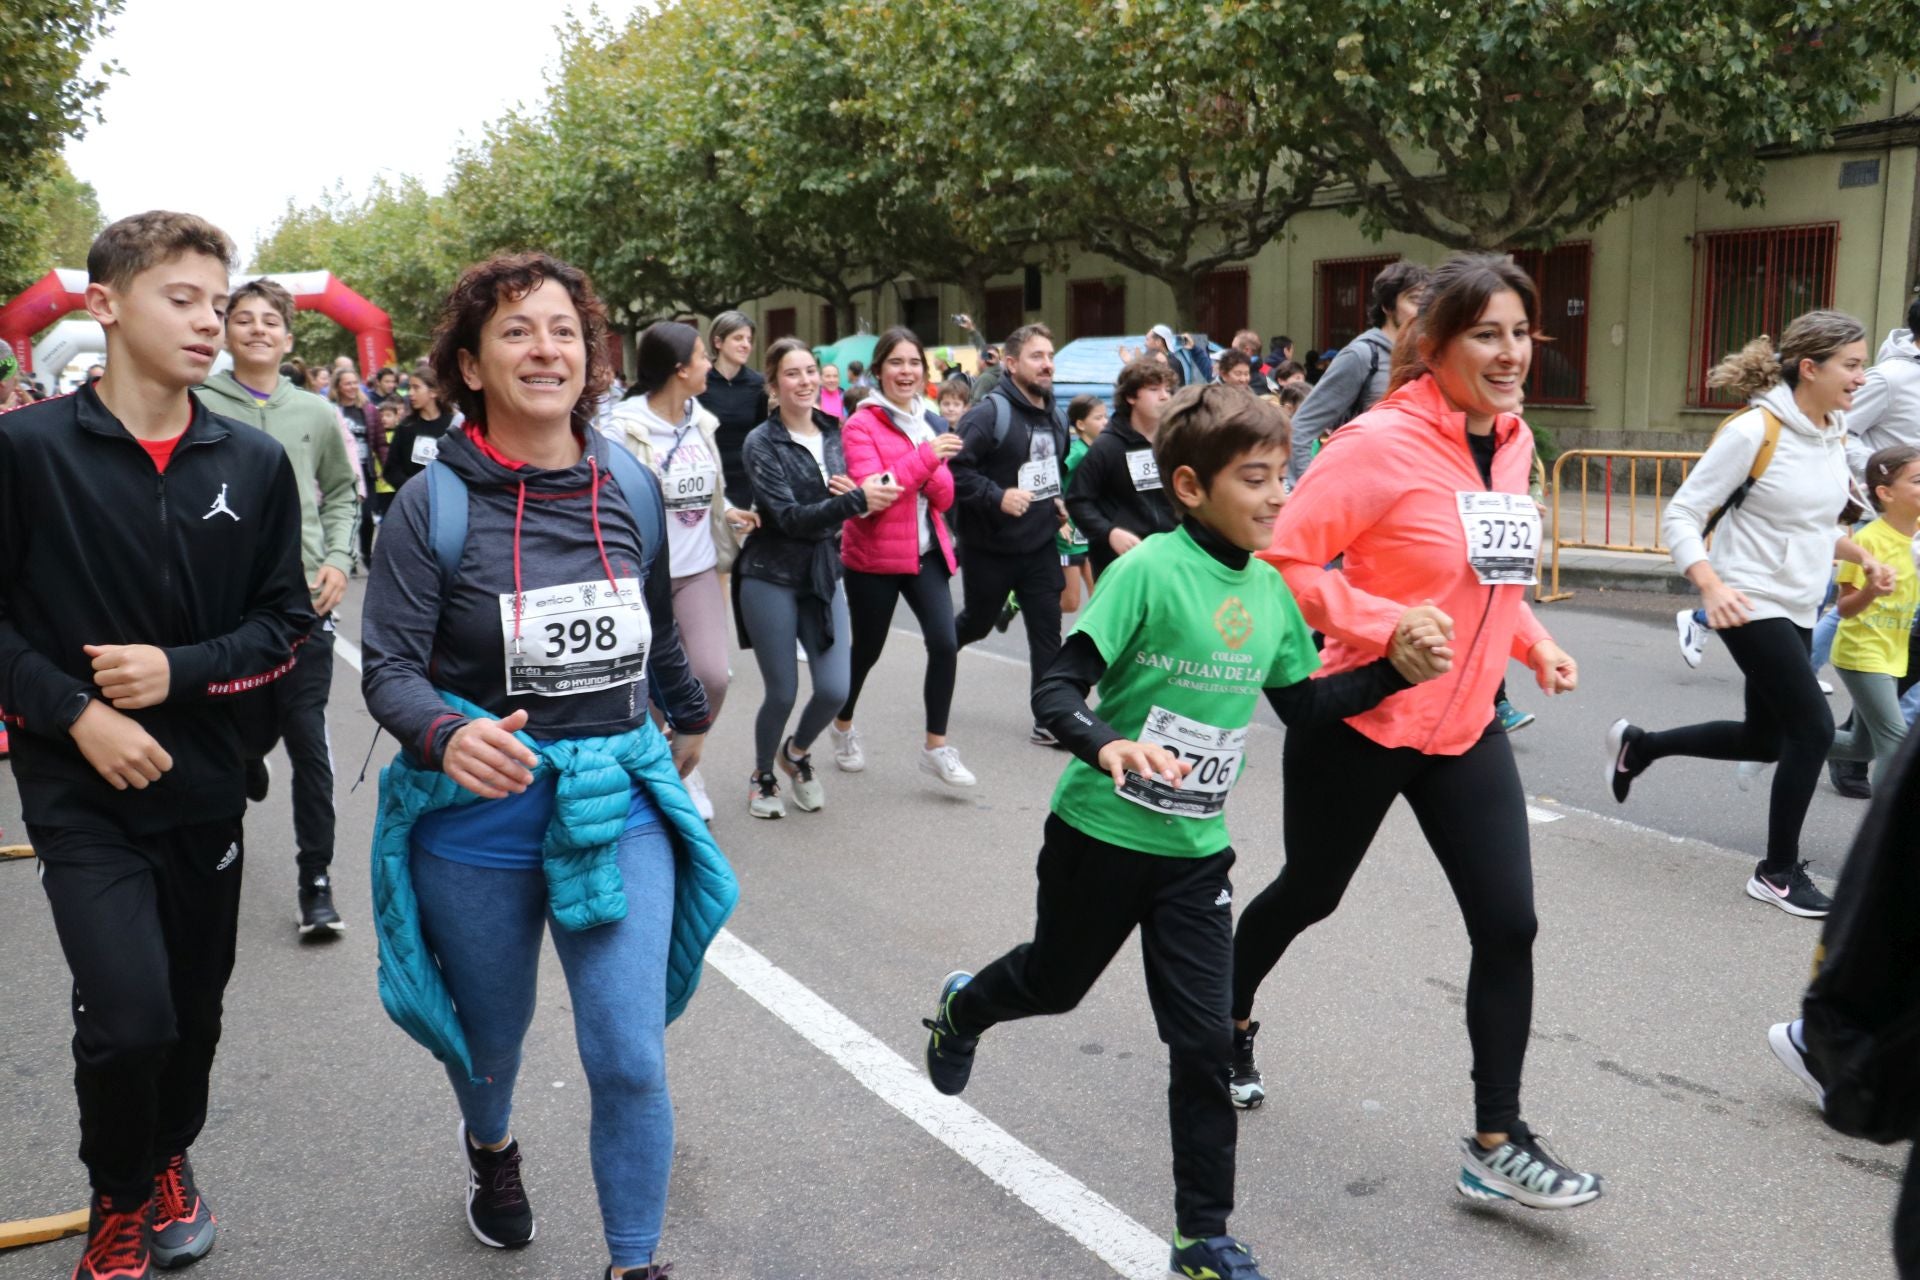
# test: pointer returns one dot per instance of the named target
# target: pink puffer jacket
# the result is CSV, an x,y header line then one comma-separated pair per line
x,y
890,542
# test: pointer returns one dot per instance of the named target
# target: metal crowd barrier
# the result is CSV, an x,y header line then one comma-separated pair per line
x,y
1630,500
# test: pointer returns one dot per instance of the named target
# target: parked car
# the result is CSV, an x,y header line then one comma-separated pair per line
x,y
1090,365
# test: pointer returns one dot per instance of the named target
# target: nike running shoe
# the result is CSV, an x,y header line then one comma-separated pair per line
x,y
1215,1258
1794,892
183,1222
1784,1039
808,794
1248,1090
317,915
763,796
1693,638
117,1247
498,1212
1522,1170
847,755
1620,775
949,1054
1511,718
944,764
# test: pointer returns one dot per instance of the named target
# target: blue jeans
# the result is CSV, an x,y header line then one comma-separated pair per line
x,y
484,926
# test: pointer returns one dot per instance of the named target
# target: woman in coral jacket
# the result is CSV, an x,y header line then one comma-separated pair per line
x,y
904,550
1424,500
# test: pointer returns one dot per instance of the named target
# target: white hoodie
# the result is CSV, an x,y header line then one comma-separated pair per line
x,y
1777,545
1887,410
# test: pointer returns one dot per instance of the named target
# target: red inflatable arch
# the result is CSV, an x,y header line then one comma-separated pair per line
x,y
63,291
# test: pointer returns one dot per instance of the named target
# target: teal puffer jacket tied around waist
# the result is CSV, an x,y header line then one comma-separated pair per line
x,y
583,873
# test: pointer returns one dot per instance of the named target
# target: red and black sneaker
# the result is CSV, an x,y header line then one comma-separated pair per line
x,y
183,1221
116,1241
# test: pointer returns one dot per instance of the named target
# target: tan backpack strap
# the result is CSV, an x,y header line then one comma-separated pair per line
x,y
1768,444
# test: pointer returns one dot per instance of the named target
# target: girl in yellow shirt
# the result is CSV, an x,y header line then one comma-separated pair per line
x,y
1870,651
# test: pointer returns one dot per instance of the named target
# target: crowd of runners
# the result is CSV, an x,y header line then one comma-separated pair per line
x,y
564,566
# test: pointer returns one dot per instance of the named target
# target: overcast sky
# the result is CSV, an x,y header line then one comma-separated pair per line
x,y
229,108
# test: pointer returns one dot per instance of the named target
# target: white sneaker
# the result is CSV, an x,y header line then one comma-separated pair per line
x,y
1693,637
1750,772
846,750
702,802
808,794
799,651
944,764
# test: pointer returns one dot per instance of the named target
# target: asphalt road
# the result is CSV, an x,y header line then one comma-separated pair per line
x,y
805,1147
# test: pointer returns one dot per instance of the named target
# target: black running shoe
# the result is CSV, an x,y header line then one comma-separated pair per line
x,y
317,915
1215,1258
498,1212
1007,612
1522,1170
183,1222
1042,737
1794,892
652,1271
949,1054
1245,1084
117,1246
1849,778
259,778
1620,775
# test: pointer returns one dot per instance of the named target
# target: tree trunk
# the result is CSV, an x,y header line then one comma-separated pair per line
x,y
1186,298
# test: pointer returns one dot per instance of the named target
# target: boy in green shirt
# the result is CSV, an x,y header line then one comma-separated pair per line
x,y
1182,636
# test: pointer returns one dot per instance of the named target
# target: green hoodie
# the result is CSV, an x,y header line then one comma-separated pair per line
x,y
308,428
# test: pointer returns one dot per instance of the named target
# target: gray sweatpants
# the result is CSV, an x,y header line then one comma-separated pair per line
x,y
773,620
1879,727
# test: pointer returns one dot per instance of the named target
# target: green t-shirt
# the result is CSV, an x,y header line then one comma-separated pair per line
x,y
1071,542
1189,644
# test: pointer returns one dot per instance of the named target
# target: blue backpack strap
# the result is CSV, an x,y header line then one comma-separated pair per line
x,y
641,489
446,520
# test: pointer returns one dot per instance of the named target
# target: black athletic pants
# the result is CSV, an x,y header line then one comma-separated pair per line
x,y
871,598
294,708
1788,720
147,925
1338,785
1093,895
1036,580
1906,1220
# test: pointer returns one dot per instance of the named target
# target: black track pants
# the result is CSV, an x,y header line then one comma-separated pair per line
x,y
1093,895
871,598
294,708
1788,720
1339,785
148,927
1036,580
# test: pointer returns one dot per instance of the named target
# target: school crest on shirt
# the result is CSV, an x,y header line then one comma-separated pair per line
x,y
1234,623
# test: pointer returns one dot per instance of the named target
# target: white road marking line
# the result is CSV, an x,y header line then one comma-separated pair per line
x,y
973,649
1537,815
1116,1239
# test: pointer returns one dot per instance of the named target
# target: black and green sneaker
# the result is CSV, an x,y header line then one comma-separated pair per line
x,y
1215,1258
949,1054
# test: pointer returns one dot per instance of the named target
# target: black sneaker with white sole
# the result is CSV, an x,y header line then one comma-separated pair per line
x,y
1214,1258
1794,893
1523,1171
498,1212
1248,1090
318,918
1780,1038
1621,771
182,1228
949,1054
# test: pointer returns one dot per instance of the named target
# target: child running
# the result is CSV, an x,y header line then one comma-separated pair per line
x,y
1870,650
1086,419
1181,637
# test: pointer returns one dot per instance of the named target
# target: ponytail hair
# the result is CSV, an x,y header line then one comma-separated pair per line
x,y
660,353
1760,366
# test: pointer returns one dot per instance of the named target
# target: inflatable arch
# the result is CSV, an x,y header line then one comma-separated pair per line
x,y
63,291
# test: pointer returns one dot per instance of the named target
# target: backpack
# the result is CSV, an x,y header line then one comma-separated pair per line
x,y
1761,460
447,511
1003,420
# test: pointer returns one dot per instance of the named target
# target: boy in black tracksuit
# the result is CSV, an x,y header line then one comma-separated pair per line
x,y
149,570
1116,488
1009,503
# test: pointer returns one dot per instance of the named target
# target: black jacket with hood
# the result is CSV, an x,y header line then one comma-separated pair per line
x,y
527,530
97,547
1102,497
983,473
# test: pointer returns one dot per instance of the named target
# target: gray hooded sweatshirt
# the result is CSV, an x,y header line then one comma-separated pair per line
x,y
529,531
1887,410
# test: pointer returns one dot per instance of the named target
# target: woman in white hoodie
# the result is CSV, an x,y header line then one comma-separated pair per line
x,y
661,423
1775,539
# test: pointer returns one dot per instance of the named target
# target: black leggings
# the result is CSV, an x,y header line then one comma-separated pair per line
x,y
1339,785
1787,720
870,603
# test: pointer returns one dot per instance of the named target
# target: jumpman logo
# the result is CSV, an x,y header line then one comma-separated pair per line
x,y
220,507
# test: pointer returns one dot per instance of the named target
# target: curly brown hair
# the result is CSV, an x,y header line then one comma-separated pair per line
x,y
508,277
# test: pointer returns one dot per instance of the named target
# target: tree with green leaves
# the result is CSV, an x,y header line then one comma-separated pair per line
x,y
44,99
50,221
1516,124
